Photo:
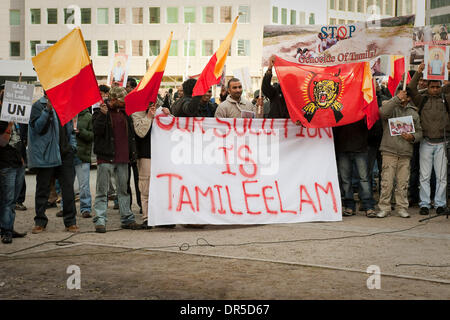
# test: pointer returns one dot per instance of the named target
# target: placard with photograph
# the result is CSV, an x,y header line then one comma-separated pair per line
x,y
400,125
118,70
436,59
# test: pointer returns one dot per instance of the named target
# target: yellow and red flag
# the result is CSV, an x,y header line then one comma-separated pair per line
x,y
66,74
397,73
212,73
147,89
330,96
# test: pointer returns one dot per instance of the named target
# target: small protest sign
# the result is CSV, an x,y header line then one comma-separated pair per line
x,y
17,102
400,125
436,59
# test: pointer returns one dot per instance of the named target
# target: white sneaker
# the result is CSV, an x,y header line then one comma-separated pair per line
x,y
382,214
403,213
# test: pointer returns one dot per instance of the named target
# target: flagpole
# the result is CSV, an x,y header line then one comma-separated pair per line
x,y
188,49
406,72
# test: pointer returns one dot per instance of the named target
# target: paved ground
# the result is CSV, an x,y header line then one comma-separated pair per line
x,y
285,261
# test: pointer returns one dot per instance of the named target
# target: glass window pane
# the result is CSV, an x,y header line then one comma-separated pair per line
x,y
69,15
191,47
51,41
244,14
225,14
154,15
389,7
33,44
35,16
138,15
14,50
14,17
88,46
293,17
172,15
243,48
312,18
86,15
351,5
302,17
52,16
102,48
283,16
342,5
189,14
102,16
332,21
173,51
275,14
361,6
137,48
208,15
207,47
332,5
120,15
154,47
120,46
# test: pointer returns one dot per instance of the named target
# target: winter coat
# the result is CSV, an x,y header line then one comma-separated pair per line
x,y
232,109
396,144
85,136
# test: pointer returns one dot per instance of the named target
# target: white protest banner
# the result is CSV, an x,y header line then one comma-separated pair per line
x,y
17,102
337,44
241,171
436,60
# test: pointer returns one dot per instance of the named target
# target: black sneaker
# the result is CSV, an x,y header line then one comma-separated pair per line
x,y
100,229
424,211
441,210
166,226
16,234
51,205
145,226
59,214
20,207
7,237
132,226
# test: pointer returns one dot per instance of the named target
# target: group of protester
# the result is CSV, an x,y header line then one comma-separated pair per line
x,y
122,144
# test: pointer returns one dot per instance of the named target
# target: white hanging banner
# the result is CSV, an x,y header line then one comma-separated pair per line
x,y
241,171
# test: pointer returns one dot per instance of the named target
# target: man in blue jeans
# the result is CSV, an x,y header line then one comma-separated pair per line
x,y
351,144
115,146
12,173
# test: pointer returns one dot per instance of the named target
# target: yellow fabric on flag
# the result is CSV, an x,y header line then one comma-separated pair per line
x,y
62,61
222,52
367,84
159,65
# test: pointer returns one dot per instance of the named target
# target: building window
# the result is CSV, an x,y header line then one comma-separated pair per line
x,y
33,44
155,15
312,18
120,15
51,41
35,15
229,50
207,48
69,15
86,16
244,14
14,48
341,21
438,4
341,5
120,46
173,51
225,14
172,15
154,47
88,46
283,16
274,14
332,4
332,21
351,5
399,8
137,15
52,16
361,6
208,14
189,14
14,17
389,7
302,18
137,48
191,48
293,17
409,6
440,19
102,16
243,48
102,48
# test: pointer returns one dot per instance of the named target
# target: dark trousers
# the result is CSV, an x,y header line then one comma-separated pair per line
x,y
136,183
23,191
65,173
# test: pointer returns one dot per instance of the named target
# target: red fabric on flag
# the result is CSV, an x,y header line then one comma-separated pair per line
x,y
139,100
74,95
397,74
329,96
207,78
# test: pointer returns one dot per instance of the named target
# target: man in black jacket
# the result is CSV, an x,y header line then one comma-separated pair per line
x,y
278,108
115,147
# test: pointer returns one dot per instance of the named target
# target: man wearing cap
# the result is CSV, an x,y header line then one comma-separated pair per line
x,y
115,147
